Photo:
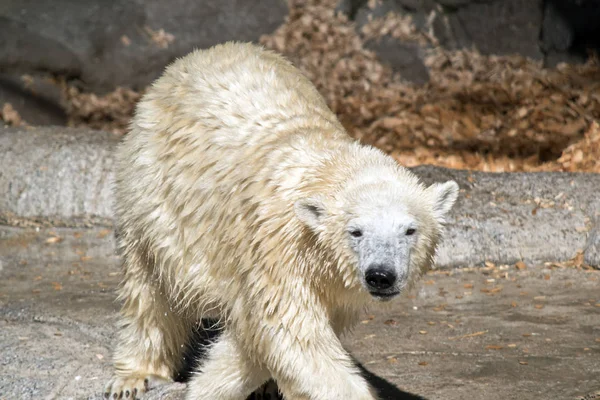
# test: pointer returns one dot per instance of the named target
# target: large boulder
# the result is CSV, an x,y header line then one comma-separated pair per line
x,y
107,43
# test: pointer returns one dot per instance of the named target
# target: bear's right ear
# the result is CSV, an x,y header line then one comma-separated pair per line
x,y
444,194
310,211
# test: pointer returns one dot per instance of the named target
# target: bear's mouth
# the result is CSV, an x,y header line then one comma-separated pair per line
x,y
384,296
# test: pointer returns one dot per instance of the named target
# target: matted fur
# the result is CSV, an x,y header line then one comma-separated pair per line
x,y
221,148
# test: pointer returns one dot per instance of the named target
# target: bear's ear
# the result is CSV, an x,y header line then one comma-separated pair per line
x,y
310,211
444,196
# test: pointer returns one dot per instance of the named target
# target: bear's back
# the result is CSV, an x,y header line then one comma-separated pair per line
x,y
224,136
240,92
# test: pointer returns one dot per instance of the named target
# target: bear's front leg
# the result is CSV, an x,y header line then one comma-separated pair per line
x,y
313,365
150,343
226,373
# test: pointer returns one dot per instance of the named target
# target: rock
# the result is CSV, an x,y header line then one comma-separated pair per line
x,y
57,175
557,34
405,58
492,27
62,176
553,57
454,3
365,13
592,247
570,30
36,100
123,42
501,27
511,217
350,7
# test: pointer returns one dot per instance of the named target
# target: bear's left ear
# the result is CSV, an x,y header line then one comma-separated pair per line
x,y
310,211
444,196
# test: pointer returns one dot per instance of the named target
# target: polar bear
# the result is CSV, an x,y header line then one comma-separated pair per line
x,y
239,196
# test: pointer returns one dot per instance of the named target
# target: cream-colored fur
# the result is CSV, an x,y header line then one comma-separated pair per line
x,y
221,148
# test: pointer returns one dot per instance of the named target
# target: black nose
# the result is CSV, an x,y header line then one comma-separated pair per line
x,y
380,278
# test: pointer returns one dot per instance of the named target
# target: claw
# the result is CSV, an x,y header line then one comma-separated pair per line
x,y
132,386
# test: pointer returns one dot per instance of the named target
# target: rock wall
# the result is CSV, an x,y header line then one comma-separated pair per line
x,y
549,30
102,44
107,43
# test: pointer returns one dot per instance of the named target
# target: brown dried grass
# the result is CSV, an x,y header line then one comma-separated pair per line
x,y
479,112
10,116
111,112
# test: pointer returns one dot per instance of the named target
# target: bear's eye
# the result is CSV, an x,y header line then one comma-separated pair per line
x,y
356,233
410,231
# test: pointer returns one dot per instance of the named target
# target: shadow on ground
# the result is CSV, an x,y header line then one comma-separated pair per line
x,y
206,333
385,389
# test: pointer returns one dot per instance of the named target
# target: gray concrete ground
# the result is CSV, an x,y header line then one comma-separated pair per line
x,y
488,333
491,333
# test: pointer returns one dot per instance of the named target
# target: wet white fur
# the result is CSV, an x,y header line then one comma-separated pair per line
x,y
225,150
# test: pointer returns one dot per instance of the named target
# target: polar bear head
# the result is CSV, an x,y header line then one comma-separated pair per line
x,y
383,224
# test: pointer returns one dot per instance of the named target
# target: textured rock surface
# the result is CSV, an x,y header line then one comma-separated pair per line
x,y
36,100
118,42
569,29
404,57
534,217
551,30
531,334
63,177
58,174
495,27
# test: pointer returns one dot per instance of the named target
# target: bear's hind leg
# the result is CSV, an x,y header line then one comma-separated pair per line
x,y
226,373
151,340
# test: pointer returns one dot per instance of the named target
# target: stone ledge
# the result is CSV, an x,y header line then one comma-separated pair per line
x,y
58,176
